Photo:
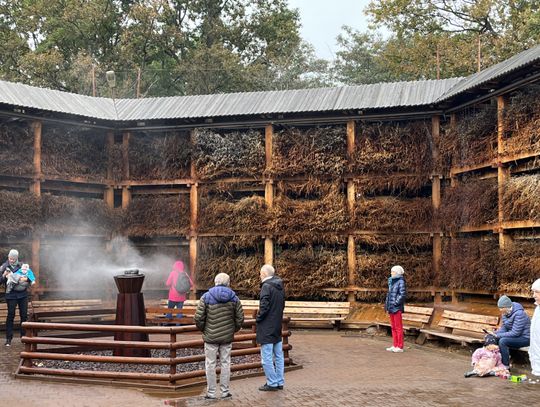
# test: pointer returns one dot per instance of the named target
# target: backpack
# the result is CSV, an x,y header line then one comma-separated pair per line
x,y
182,284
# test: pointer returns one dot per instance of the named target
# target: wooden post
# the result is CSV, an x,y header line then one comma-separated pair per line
x,y
193,219
125,154
269,190
126,193
36,184
503,172
126,197
108,195
436,176
193,265
36,247
453,123
35,188
436,192
351,201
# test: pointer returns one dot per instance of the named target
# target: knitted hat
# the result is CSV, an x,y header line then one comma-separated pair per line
x,y
504,302
490,340
398,270
14,254
536,285
178,266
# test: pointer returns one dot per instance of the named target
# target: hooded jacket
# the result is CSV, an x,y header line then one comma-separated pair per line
x,y
174,295
517,324
219,315
397,292
270,316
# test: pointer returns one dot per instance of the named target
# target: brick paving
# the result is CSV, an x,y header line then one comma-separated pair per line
x,y
338,370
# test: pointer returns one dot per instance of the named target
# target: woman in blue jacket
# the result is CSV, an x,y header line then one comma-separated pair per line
x,y
395,305
515,329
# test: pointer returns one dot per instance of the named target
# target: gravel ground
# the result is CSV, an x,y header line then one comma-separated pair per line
x,y
140,368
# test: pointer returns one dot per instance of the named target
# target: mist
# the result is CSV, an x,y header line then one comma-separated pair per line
x,y
84,266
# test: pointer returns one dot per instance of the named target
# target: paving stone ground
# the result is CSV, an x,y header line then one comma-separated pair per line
x,y
338,370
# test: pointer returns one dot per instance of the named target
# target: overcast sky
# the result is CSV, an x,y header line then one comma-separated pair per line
x,y
322,21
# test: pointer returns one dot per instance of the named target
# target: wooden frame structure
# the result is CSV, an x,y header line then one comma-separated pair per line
x,y
123,191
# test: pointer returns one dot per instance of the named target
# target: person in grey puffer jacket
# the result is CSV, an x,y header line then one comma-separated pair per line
x,y
515,330
219,315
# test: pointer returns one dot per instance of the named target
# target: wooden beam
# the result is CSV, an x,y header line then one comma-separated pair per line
x,y
108,197
351,138
193,264
125,154
268,251
109,148
351,266
437,254
36,185
36,247
269,144
193,208
193,142
126,197
503,172
269,189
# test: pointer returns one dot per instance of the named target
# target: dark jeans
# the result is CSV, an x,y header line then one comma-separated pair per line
x,y
175,304
23,311
506,343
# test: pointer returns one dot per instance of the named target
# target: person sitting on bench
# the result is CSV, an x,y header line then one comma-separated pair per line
x,y
487,361
515,328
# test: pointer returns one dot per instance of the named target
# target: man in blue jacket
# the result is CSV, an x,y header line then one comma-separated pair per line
x,y
515,330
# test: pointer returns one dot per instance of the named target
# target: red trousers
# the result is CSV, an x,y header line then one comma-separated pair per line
x,y
397,329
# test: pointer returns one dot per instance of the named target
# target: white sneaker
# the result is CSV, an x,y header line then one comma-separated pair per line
x,y
397,350
390,349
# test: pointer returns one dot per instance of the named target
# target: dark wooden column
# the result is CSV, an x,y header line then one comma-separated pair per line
x,y
108,195
126,193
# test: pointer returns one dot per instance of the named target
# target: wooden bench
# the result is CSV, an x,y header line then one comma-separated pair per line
x,y
414,318
302,313
462,327
71,311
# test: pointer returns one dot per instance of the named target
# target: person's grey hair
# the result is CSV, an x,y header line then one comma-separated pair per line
x,y
268,270
222,279
14,254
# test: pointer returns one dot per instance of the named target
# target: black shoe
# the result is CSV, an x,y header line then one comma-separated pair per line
x,y
280,387
207,397
8,342
266,387
470,374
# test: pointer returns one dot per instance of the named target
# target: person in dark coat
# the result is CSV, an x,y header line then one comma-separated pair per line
x,y
515,329
219,315
269,319
395,306
15,298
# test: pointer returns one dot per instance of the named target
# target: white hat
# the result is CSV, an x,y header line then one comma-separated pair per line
x,y
14,254
536,285
398,270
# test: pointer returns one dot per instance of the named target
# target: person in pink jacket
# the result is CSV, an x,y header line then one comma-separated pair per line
x,y
487,361
176,299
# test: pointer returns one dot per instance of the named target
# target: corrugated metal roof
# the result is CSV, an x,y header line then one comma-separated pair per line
x,y
375,96
494,72
18,94
362,97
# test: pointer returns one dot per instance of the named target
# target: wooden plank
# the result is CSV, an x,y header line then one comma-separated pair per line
x,y
465,326
457,338
41,303
464,316
416,318
411,309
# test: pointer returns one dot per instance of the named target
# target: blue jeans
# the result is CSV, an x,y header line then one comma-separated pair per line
x,y
506,343
273,363
175,304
